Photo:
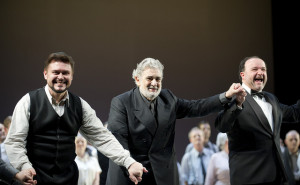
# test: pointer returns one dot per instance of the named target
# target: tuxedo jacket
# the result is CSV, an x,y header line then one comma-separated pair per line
x,y
150,140
254,149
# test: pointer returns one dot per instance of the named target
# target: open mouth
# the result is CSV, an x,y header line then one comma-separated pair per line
x,y
260,80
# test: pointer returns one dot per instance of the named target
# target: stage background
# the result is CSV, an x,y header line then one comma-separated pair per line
x,y
200,43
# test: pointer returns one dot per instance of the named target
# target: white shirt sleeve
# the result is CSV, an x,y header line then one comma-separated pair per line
x,y
101,138
92,128
15,142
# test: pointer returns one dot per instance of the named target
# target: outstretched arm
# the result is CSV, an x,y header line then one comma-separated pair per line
x,y
100,137
15,142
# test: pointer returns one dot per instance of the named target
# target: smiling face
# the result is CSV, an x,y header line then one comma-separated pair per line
x,y
255,74
149,83
59,76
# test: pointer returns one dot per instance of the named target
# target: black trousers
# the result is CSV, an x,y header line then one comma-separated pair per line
x,y
67,176
148,178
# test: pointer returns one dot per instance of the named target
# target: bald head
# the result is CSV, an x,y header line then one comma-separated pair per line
x,y
292,141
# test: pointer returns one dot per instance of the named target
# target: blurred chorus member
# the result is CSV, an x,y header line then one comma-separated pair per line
x,y
88,166
6,123
205,127
194,163
2,133
218,167
291,155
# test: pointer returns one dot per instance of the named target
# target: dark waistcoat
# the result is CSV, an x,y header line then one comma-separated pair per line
x,y
50,141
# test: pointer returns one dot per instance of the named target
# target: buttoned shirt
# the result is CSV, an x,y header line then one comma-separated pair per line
x,y
191,166
92,129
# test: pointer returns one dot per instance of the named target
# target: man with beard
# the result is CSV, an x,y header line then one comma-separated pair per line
x,y
143,120
44,125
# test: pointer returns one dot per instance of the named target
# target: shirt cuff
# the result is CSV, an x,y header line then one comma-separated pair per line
x,y
26,166
129,162
223,99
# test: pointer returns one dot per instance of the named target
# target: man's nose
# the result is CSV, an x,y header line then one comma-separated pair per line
x,y
153,82
260,72
60,75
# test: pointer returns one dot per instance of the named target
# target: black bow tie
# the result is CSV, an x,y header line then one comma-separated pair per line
x,y
258,94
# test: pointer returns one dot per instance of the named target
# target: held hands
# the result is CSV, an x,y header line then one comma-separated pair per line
x,y
237,90
136,170
26,176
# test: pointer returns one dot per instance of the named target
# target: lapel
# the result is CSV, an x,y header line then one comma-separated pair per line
x,y
163,112
259,113
143,113
274,112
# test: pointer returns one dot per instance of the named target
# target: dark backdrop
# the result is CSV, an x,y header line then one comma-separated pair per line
x,y
286,50
200,43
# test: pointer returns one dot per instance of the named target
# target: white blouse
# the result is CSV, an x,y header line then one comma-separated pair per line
x,y
88,167
218,170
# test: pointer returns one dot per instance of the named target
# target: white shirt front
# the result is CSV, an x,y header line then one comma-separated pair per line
x,y
264,105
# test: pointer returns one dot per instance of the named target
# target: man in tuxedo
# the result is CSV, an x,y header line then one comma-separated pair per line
x,y
143,120
252,123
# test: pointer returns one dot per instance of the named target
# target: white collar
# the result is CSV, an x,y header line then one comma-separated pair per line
x,y
51,99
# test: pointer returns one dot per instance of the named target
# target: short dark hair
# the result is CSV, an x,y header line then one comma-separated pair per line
x,y
60,56
203,122
242,65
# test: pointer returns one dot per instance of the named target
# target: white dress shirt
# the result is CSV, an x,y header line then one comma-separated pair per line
x,y
92,129
265,106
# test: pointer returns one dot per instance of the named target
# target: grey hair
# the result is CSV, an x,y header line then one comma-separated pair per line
x,y
221,140
147,63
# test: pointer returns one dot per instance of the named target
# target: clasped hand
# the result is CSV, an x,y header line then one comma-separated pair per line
x,y
136,171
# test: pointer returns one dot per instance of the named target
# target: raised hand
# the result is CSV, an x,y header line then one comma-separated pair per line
x,y
235,89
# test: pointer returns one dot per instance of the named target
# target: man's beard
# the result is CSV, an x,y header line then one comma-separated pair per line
x,y
150,95
59,91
